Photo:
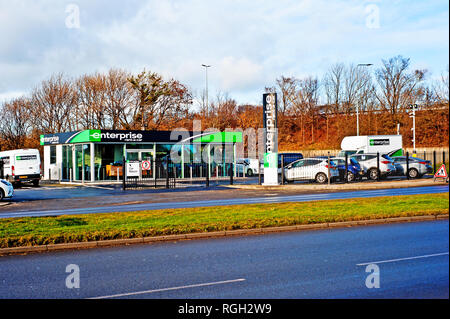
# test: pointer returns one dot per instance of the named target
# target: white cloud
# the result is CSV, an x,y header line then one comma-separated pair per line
x,y
248,43
238,74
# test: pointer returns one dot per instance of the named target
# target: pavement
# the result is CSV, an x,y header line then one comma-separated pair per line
x,y
407,260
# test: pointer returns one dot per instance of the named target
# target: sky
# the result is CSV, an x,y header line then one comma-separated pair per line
x,y
248,43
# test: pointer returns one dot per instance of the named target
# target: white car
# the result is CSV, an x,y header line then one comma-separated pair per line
x,y
244,167
310,169
368,163
6,189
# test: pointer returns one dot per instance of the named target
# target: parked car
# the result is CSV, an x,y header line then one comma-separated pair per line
x,y
6,189
399,171
354,170
310,169
417,166
368,163
243,166
253,165
288,158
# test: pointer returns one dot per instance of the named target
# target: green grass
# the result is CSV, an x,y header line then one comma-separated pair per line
x,y
28,231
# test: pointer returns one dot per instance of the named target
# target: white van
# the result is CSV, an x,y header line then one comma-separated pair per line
x,y
382,144
23,165
251,165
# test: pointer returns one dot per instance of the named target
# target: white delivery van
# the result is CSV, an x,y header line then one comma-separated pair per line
x,y
382,144
23,165
249,165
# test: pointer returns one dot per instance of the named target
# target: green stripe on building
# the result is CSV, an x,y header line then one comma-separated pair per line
x,y
220,137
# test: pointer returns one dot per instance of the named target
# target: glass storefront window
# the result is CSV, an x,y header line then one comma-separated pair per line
x,y
78,169
66,161
87,161
53,154
108,161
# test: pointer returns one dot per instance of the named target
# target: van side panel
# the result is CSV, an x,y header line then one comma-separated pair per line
x,y
26,164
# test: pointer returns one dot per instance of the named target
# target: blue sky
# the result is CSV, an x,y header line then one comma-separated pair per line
x,y
248,43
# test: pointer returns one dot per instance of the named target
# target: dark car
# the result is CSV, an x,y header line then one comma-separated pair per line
x,y
353,168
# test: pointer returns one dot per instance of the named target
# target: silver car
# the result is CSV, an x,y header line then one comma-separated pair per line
x,y
310,169
368,163
417,166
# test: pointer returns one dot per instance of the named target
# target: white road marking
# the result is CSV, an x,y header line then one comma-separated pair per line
x,y
168,289
400,259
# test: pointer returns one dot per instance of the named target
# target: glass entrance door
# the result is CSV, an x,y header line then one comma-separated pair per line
x,y
142,155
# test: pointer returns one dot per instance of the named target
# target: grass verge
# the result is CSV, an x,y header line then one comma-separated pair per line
x,y
28,231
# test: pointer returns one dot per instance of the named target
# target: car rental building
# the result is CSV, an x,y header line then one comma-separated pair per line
x,y
97,155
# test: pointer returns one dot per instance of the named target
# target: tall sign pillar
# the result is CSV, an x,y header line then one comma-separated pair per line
x,y
270,139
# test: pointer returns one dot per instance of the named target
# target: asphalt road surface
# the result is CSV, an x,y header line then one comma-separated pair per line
x,y
412,261
105,207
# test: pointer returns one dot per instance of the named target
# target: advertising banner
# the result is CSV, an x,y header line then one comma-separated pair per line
x,y
270,109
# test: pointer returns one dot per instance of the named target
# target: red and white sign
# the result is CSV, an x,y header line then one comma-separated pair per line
x,y
146,165
441,172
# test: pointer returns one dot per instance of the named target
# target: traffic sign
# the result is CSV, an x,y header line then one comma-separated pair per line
x,y
146,165
441,172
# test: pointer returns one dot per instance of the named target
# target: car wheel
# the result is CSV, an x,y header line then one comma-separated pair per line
x,y
321,178
36,183
1,194
413,173
373,174
350,177
249,172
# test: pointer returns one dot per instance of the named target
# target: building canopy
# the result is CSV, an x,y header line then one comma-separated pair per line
x,y
136,136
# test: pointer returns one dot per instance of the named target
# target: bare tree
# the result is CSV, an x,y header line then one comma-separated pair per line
x,y
333,84
287,88
91,100
357,86
120,100
53,105
441,88
305,102
16,123
395,84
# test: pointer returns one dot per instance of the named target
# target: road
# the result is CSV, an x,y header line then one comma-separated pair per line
x,y
105,207
412,259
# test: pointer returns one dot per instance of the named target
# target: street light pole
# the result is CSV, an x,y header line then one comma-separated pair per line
x,y
414,108
206,71
357,103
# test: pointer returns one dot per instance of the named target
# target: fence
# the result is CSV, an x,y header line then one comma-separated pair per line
x,y
2,171
356,167
321,168
166,174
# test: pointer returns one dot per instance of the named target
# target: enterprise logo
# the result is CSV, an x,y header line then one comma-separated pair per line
x,y
270,123
97,136
49,140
